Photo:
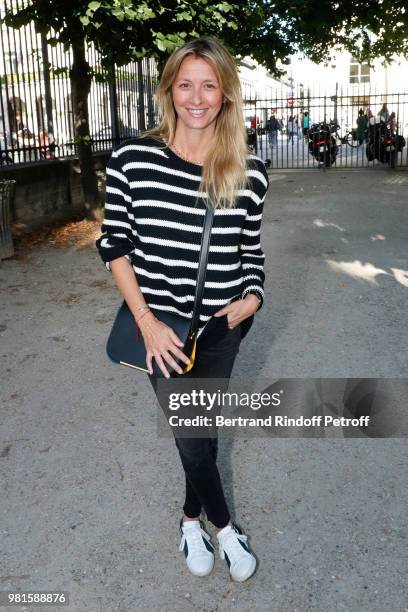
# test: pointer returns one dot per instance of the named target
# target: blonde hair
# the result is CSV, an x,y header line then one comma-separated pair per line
x,y
224,168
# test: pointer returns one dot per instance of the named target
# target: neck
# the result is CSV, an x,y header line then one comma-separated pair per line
x,y
194,143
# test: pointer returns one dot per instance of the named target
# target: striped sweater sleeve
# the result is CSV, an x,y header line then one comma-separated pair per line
x,y
252,255
118,228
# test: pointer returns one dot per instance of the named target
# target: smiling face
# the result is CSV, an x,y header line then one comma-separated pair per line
x,y
197,95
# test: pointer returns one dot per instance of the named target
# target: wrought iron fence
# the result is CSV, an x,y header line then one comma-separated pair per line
x,y
36,121
339,131
298,130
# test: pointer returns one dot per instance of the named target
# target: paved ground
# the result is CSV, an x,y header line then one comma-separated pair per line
x,y
91,496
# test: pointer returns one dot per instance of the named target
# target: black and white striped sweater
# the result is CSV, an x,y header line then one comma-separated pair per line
x,y
152,218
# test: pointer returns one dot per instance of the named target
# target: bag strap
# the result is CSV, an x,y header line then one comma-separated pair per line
x,y
202,269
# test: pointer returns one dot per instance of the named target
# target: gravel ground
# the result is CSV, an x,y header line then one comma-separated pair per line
x,y
92,496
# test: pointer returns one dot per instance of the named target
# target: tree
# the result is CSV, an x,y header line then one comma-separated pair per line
x,y
274,30
122,31
269,31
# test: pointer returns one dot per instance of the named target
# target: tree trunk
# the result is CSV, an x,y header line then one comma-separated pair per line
x,y
80,87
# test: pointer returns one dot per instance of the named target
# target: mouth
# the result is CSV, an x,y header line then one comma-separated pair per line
x,y
197,112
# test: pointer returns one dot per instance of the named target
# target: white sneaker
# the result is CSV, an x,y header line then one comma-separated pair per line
x,y
234,549
198,550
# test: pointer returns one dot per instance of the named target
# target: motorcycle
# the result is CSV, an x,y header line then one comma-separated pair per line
x,y
383,145
322,143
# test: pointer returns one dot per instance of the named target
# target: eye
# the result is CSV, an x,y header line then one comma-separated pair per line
x,y
210,86
184,85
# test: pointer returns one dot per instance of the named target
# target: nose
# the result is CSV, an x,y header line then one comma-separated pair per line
x,y
196,95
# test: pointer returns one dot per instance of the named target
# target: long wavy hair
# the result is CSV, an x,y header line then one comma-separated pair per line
x,y
224,168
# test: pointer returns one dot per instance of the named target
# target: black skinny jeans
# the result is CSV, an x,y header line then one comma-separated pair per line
x,y
215,355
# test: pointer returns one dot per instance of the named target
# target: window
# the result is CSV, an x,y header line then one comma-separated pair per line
x,y
359,73
360,101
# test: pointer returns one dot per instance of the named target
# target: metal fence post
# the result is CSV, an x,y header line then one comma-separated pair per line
x,y
113,105
256,128
141,102
47,92
150,98
6,198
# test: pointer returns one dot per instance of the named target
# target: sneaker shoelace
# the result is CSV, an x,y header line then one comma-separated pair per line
x,y
194,537
234,549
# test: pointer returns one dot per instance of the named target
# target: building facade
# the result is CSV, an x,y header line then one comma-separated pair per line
x,y
347,86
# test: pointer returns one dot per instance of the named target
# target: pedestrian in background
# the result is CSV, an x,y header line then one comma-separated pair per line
x,y
291,127
361,132
272,128
306,125
384,113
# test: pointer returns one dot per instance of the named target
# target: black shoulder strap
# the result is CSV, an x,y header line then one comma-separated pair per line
x,y
202,268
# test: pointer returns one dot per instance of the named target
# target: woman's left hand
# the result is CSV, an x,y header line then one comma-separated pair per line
x,y
240,310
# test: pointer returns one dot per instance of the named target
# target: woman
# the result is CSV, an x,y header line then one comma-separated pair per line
x,y
157,189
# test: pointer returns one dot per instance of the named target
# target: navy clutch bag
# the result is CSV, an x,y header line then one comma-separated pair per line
x,y
126,346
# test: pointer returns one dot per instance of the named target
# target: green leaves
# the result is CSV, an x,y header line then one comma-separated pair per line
x,y
184,16
167,43
119,13
92,7
144,11
225,6
270,31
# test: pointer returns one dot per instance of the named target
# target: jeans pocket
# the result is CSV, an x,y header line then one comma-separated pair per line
x,y
227,339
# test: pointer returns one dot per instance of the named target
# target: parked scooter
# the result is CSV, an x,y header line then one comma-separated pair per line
x,y
5,158
322,143
383,145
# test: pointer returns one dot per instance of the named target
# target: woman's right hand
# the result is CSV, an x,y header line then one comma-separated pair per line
x,y
161,343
